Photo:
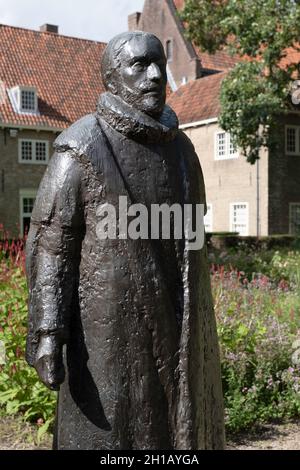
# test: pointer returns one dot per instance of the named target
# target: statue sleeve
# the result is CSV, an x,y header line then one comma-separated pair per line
x,y
53,252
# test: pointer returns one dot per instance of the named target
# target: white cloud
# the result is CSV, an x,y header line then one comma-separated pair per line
x,y
91,19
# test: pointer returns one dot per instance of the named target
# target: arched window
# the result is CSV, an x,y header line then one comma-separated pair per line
x,y
169,50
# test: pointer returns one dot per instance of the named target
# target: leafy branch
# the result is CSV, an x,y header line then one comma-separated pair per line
x,y
257,90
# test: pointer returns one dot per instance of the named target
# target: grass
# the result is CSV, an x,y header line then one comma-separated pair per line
x,y
15,434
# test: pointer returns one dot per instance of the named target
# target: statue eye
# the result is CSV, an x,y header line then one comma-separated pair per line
x,y
139,65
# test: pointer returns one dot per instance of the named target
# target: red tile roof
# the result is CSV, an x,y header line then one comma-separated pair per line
x,y
179,4
219,61
198,100
64,70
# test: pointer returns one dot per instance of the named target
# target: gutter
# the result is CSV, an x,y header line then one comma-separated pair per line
x,y
204,122
37,128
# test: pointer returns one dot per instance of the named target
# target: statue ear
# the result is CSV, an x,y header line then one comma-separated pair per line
x,y
111,80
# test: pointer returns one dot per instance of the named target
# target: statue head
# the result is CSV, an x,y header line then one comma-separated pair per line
x,y
134,68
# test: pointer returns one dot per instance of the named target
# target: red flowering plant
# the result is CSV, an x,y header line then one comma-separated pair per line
x,y
258,324
20,389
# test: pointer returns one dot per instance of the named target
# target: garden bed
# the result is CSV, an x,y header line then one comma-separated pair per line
x,y
257,307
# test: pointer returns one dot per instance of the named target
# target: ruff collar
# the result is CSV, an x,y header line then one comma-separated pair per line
x,y
135,124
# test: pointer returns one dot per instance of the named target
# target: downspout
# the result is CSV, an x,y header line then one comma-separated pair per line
x,y
257,199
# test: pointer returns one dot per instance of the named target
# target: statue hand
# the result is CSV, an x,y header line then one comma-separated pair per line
x,y
49,363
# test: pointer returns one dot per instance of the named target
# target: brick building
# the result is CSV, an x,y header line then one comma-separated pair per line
x,y
47,81
260,199
185,61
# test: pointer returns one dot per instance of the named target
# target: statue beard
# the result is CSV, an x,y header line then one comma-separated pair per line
x,y
151,104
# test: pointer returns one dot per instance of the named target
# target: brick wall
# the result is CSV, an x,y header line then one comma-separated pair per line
x,y
284,177
15,176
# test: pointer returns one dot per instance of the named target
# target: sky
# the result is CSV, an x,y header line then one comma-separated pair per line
x,y
99,20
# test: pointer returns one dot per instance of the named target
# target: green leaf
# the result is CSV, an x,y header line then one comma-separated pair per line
x,y
43,429
8,395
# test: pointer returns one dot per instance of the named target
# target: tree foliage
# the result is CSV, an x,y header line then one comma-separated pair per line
x,y
257,90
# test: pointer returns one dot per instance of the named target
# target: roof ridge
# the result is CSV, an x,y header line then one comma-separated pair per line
x,y
52,34
206,78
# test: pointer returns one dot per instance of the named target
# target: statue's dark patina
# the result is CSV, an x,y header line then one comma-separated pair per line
x,y
141,365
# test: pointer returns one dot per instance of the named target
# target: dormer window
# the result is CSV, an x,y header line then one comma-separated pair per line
x,y
24,99
28,98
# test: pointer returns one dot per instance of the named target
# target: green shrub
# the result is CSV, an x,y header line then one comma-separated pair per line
x,y
20,389
283,265
286,267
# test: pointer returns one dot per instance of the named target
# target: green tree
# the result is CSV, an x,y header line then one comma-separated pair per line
x,y
257,90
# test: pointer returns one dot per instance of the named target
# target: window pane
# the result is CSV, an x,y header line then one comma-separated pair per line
x,y
295,219
28,203
26,150
27,100
291,139
240,219
221,145
40,151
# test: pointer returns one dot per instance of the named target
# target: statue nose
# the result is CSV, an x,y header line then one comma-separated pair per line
x,y
154,72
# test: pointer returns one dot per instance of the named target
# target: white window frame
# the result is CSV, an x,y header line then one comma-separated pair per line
x,y
33,161
291,205
231,222
210,226
15,96
297,137
25,193
228,155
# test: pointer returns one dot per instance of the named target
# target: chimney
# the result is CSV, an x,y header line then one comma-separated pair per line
x,y
49,28
133,21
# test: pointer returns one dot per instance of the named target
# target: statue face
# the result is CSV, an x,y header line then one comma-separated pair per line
x,y
142,74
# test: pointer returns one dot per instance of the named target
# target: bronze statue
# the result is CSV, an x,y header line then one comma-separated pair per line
x,y
140,369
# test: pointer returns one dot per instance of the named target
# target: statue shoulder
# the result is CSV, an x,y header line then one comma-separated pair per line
x,y
60,188
79,137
